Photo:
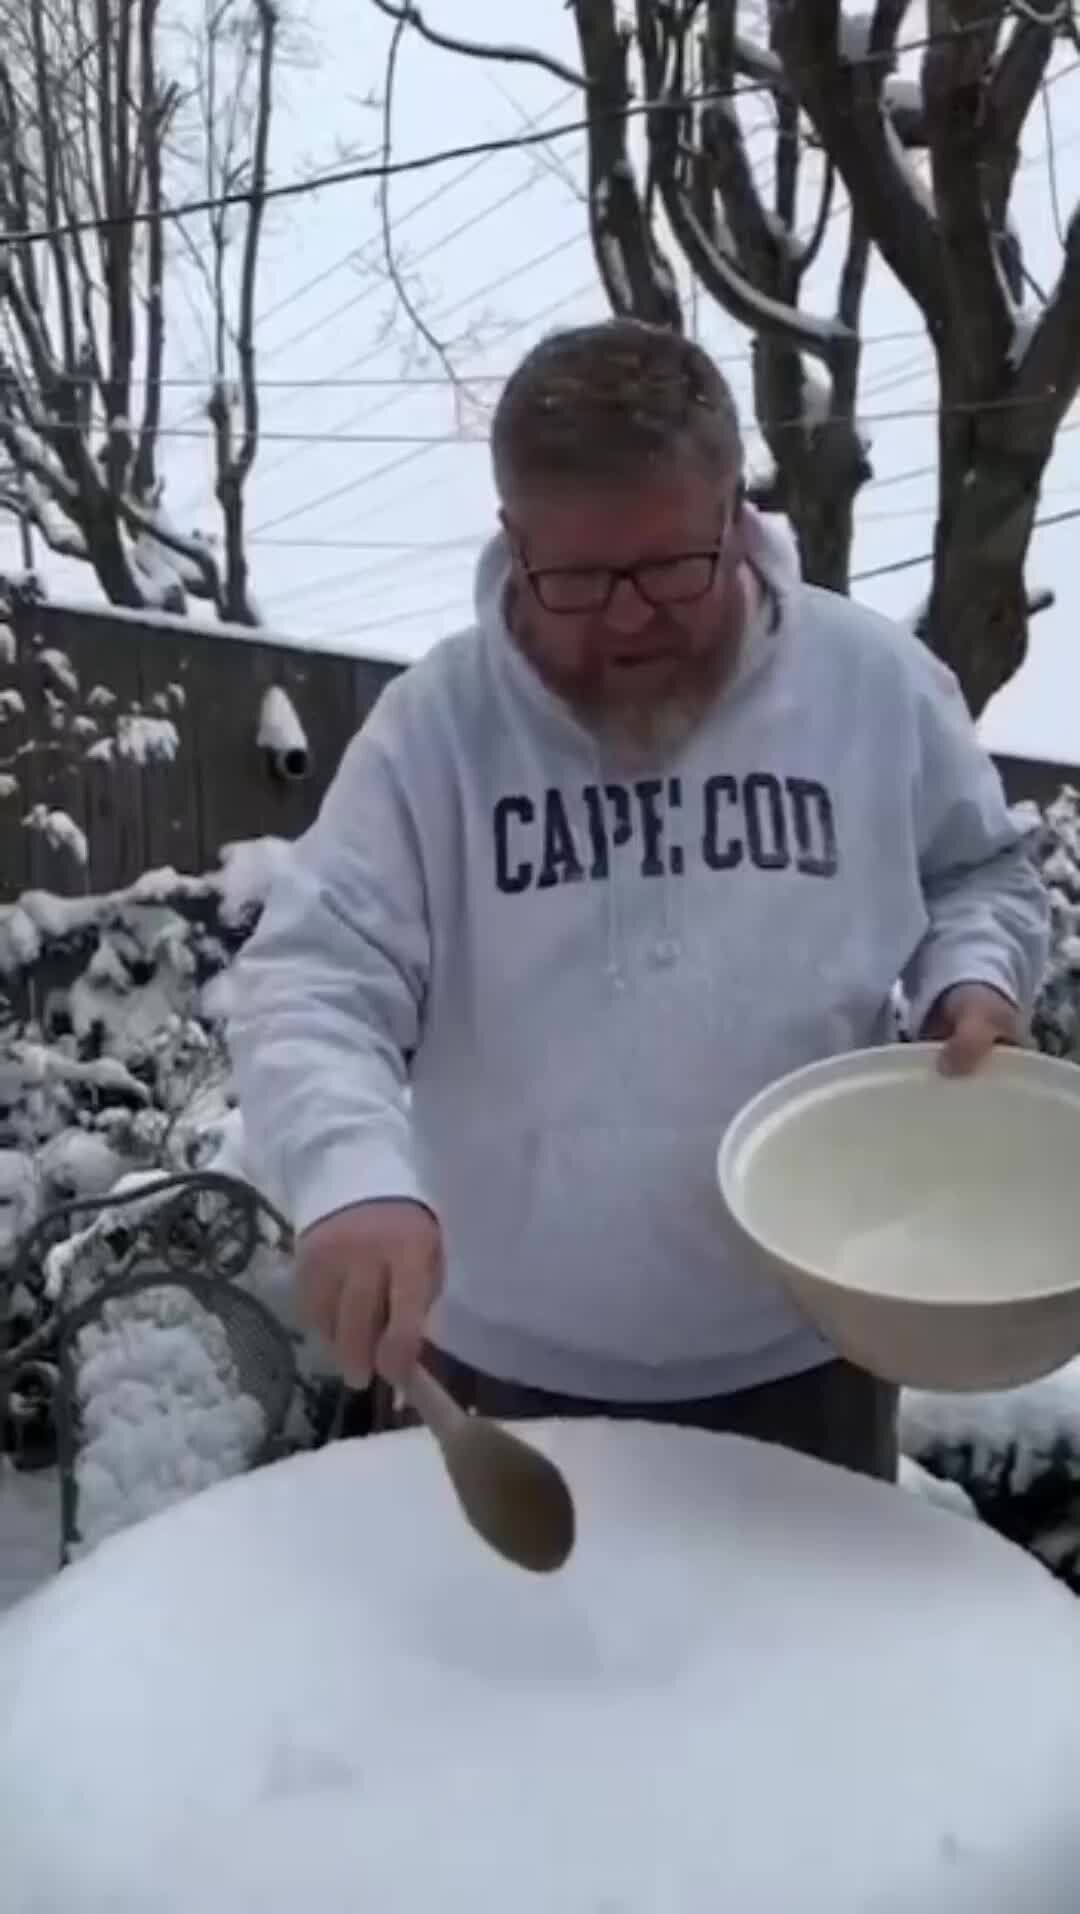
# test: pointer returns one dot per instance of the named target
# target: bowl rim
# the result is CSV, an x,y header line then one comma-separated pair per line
x,y
1011,1061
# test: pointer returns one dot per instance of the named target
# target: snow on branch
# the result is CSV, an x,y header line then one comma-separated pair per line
x,y
745,257
844,98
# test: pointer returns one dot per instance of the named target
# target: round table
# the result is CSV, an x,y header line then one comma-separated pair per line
x,y
760,1686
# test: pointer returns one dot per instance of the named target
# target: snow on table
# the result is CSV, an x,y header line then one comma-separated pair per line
x,y
760,1685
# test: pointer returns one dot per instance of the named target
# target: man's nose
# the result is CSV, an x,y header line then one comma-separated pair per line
x,y
627,612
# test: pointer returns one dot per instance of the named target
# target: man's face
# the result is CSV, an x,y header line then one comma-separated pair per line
x,y
641,658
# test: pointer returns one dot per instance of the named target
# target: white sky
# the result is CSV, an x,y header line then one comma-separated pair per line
x,y
363,538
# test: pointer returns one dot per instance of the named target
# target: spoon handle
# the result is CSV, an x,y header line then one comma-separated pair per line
x,y
433,1404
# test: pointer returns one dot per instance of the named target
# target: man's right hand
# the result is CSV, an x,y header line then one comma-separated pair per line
x,y
368,1276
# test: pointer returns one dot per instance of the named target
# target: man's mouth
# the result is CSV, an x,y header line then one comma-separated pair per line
x,y
637,659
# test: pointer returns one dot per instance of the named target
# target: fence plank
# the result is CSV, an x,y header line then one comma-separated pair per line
x,y
218,787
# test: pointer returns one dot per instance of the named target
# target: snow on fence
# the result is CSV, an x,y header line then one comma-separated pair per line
x,y
132,741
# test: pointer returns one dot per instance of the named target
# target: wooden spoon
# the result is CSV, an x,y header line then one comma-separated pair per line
x,y
512,1495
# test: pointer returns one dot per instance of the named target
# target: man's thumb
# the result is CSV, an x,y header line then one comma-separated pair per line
x,y
967,1044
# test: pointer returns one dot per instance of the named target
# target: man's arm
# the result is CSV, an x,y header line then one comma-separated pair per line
x,y
328,1000
988,907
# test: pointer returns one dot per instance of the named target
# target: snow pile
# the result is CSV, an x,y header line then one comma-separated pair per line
x,y
759,1684
139,739
280,731
942,1494
161,1408
60,832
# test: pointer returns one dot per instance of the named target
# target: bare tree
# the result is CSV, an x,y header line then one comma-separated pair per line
x,y
745,250
1007,374
842,117
92,127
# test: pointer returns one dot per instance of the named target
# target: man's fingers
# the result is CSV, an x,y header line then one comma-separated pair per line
x,y
968,1046
361,1311
318,1291
413,1287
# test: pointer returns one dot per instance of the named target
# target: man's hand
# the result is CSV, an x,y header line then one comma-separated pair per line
x,y
970,1020
368,1277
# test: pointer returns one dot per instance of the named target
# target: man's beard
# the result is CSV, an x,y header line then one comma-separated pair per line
x,y
634,733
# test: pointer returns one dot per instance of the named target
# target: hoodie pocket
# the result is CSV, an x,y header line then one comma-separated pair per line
x,y
609,1241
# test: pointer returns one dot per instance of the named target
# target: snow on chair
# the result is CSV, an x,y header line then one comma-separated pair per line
x,y
169,1375
167,1385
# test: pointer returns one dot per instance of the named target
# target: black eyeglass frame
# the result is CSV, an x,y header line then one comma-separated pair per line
x,y
614,574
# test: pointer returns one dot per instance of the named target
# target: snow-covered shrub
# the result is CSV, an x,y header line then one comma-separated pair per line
x,y
1057,1017
112,1035
1015,1454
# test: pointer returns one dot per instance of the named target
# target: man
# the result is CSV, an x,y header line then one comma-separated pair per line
x,y
662,825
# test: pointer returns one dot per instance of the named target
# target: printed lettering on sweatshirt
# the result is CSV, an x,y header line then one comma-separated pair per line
x,y
763,821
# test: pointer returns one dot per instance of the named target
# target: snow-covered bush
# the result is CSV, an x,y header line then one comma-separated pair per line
x,y
111,1051
1057,1019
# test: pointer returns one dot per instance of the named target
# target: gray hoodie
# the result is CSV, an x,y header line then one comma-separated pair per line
x,y
531,994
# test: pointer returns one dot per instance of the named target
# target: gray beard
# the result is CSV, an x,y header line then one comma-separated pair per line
x,y
647,738
631,738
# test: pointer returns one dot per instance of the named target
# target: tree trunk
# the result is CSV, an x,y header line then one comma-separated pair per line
x,y
819,461
991,465
236,606
105,549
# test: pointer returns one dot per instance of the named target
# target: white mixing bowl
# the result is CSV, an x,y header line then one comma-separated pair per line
x,y
929,1226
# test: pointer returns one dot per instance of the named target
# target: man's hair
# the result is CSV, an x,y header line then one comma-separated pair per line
x,y
602,402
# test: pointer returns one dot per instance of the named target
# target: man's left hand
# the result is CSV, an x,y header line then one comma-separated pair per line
x,y
970,1020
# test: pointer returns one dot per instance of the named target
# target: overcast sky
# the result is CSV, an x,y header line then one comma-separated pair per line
x,y
369,501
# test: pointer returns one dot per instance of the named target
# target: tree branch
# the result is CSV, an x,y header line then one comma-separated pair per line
x,y
957,57
844,100
734,279
151,128
206,582
245,339
49,141
635,274
411,16
1048,371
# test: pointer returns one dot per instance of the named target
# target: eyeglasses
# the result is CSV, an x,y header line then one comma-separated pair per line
x,y
681,579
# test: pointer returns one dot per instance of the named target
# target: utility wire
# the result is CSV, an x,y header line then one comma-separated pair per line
x,y
927,558
421,162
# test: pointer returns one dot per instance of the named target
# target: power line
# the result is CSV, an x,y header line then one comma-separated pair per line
x,y
366,292
457,605
892,415
927,558
422,162
328,382
366,478
402,219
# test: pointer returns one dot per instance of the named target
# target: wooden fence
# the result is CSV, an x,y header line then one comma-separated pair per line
x,y
72,679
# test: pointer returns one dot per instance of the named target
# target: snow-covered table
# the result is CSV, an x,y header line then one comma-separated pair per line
x,y
760,1685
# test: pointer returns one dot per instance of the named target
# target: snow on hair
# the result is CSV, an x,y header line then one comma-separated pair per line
x,y
602,401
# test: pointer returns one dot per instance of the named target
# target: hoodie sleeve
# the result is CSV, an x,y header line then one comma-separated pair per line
x,y
329,996
987,905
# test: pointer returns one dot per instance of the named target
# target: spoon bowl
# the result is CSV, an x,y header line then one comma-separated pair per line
x,y
514,1497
